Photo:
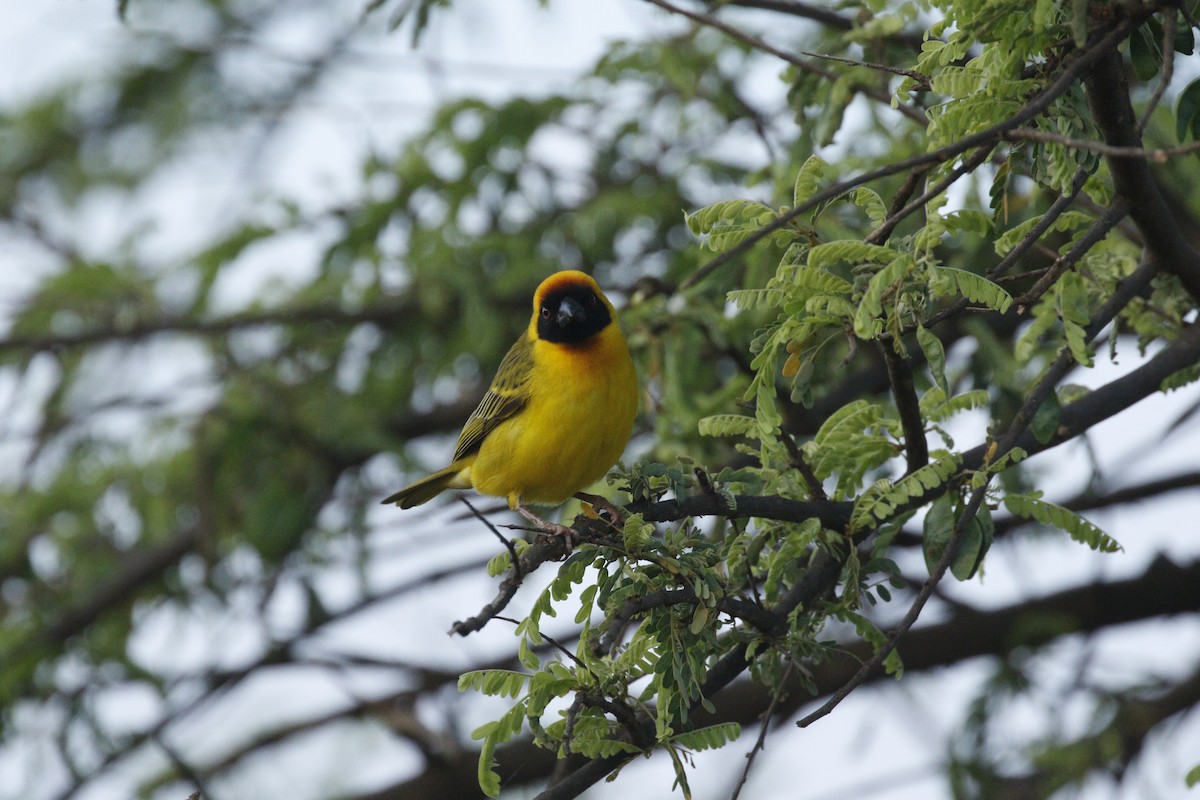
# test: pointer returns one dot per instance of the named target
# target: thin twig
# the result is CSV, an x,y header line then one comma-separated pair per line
x,y
969,164
1168,71
796,457
1157,154
1056,210
922,80
560,764
824,16
1094,234
544,548
762,732
553,643
1034,108
799,63
512,550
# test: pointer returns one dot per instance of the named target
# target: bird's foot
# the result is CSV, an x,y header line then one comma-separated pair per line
x,y
569,536
616,514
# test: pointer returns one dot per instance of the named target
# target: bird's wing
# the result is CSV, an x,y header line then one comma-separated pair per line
x,y
506,396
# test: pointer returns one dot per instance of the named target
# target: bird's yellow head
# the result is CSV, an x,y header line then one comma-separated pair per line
x,y
570,309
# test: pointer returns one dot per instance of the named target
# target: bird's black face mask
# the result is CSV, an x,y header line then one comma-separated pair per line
x,y
571,315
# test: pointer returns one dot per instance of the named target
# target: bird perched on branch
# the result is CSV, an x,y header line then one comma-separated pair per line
x,y
558,413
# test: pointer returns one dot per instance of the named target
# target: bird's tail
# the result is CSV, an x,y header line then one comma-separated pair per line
x,y
430,486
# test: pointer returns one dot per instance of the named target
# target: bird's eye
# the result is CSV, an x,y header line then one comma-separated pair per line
x,y
591,300
545,312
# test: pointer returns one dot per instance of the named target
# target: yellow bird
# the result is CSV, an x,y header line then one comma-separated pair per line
x,y
558,413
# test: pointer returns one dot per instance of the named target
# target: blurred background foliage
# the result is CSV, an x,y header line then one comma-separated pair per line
x,y
202,414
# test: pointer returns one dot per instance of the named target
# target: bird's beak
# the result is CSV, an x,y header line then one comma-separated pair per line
x,y
569,310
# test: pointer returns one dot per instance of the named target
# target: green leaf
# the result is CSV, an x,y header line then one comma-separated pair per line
x,y
746,299
710,737
493,682
936,408
1193,776
978,541
1068,221
939,529
636,532
808,179
1145,50
869,201
728,425
976,288
881,500
1187,112
935,355
1185,40
850,251
1045,420
499,563
1071,304
1064,519
489,779
1079,22
854,416
820,281
867,324
729,222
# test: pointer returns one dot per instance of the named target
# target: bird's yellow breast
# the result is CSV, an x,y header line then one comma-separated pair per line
x,y
577,420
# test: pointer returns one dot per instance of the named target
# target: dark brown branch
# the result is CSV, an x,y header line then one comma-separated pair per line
x,y
1163,589
1091,237
796,458
1075,418
544,548
1056,210
1077,67
969,165
900,374
1108,98
144,329
1157,154
830,19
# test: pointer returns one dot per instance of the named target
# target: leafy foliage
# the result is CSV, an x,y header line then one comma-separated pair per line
x,y
801,331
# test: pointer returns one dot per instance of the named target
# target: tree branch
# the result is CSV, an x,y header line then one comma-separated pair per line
x,y
799,63
1108,98
144,329
1163,589
1076,67
900,374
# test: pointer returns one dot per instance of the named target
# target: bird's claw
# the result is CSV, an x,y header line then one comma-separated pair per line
x,y
569,536
616,514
